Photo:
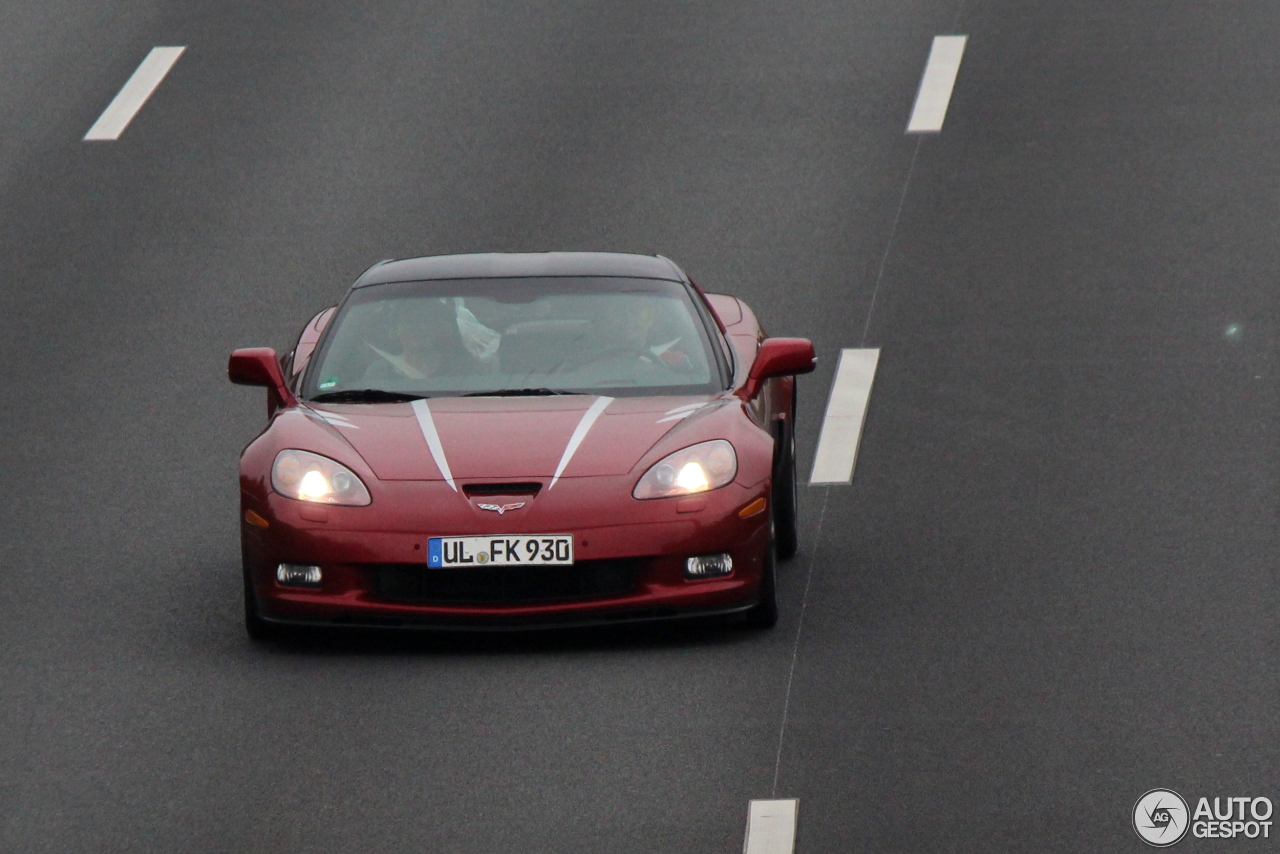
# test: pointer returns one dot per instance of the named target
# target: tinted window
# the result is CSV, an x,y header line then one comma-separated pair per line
x,y
593,335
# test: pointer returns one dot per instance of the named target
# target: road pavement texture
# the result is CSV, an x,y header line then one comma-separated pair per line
x,y
1049,588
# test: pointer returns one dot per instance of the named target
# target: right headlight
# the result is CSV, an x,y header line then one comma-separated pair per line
x,y
311,477
698,468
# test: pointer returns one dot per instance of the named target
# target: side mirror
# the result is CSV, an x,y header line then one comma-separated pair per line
x,y
258,366
778,357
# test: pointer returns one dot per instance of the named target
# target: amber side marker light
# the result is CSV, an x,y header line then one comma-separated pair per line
x,y
753,508
255,520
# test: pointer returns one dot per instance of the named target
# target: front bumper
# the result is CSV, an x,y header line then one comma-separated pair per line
x,y
630,557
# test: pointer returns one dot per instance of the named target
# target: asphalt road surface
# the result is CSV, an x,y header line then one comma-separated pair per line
x,y
1050,587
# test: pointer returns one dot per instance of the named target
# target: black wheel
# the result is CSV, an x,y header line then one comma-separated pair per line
x,y
785,498
255,627
764,614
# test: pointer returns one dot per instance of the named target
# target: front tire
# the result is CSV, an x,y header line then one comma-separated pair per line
x,y
764,614
255,627
785,496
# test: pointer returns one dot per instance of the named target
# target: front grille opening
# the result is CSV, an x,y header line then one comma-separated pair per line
x,y
586,579
501,488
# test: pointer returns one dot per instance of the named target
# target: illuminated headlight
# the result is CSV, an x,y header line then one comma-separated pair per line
x,y
311,477
708,566
698,468
297,575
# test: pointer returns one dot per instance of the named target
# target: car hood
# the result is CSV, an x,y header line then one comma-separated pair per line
x,y
510,438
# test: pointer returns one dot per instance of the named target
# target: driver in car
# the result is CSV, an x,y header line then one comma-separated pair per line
x,y
624,336
429,344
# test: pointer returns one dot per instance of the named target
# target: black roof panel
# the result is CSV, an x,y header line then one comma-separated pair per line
x,y
520,265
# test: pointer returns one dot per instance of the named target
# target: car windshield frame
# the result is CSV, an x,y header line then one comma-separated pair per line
x,y
506,291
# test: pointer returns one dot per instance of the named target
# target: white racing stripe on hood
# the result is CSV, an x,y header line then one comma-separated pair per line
x,y
680,412
335,419
685,411
429,433
579,433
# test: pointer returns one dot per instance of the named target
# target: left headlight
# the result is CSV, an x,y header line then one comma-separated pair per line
x,y
311,477
698,468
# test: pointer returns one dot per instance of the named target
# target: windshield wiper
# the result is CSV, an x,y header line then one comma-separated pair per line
x,y
366,395
519,392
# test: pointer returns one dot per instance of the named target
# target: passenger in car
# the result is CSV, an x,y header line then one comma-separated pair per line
x,y
430,344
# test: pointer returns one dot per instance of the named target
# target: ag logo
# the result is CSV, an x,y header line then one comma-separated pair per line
x,y
1160,817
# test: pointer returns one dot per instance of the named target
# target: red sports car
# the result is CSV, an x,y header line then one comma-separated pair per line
x,y
520,440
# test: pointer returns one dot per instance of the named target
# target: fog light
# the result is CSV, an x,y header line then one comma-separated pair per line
x,y
708,566
297,575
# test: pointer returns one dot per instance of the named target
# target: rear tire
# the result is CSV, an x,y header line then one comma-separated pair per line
x,y
785,497
764,614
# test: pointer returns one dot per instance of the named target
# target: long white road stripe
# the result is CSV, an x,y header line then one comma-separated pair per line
x,y
771,827
846,410
936,84
116,117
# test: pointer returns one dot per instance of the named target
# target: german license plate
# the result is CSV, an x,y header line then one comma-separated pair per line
x,y
523,550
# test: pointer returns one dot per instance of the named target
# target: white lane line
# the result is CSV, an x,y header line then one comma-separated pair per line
x,y
116,117
846,410
936,84
771,827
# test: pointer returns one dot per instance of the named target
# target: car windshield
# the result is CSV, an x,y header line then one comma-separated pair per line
x,y
544,335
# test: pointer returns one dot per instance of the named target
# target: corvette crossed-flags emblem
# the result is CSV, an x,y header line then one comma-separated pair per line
x,y
500,508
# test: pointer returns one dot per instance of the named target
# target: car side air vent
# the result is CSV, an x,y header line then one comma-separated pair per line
x,y
501,488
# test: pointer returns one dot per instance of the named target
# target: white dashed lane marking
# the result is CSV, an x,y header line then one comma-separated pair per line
x,y
771,827
936,84
116,117
846,410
